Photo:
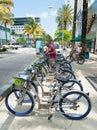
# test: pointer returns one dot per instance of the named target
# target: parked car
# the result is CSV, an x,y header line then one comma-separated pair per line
x,y
14,46
5,46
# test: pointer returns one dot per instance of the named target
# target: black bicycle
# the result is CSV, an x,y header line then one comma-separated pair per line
x,y
80,59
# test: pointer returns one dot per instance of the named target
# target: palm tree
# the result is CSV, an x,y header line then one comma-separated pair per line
x,y
7,21
6,14
7,3
84,23
64,17
32,29
74,23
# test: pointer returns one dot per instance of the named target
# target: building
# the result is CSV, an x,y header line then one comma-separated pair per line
x,y
3,34
19,23
91,23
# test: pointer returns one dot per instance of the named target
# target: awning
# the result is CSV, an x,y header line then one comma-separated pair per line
x,y
78,39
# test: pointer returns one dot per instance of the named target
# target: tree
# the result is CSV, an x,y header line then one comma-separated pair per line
x,y
7,21
84,23
7,3
74,22
6,14
32,29
21,40
64,17
67,36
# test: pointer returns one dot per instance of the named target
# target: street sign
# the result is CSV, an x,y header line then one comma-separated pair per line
x,y
60,34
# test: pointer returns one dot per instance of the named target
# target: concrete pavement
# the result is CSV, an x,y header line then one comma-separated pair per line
x,y
37,120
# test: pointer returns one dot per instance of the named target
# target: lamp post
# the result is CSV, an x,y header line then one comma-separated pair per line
x,y
62,26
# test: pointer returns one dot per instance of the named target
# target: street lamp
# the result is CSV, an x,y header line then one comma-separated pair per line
x,y
50,7
62,26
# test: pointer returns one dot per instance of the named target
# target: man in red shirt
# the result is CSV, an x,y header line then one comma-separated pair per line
x,y
52,55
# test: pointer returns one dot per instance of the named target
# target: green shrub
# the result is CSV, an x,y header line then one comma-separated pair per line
x,y
3,49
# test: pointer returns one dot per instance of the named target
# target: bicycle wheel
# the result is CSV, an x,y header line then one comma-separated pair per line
x,y
67,74
72,85
75,109
80,60
17,106
70,59
33,89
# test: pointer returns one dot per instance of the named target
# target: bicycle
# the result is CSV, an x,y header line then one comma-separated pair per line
x,y
72,104
80,59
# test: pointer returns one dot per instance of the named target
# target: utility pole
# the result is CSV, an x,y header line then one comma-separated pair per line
x,y
62,27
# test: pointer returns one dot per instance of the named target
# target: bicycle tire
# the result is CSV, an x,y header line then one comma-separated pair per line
x,y
68,74
80,60
73,84
68,110
69,59
17,109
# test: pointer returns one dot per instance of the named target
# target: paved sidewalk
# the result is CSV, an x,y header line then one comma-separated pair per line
x,y
37,120
93,56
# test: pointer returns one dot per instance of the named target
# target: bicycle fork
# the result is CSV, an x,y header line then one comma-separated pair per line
x,y
21,96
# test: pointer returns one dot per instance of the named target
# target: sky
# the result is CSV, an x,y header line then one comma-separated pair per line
x,y
39,8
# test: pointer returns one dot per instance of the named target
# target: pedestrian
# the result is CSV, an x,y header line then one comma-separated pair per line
x,y
78,51
45,48
52,55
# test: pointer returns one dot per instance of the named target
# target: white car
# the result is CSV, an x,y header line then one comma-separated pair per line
x,y
13,46
5,46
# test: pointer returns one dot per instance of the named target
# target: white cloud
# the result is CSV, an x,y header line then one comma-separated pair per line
x,y
44,15
31,15
41,15
54,13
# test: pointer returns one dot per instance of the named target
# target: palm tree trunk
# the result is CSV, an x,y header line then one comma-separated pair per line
x,y
74,23
84,23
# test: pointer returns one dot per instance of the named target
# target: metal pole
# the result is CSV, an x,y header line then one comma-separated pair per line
x,y
62,27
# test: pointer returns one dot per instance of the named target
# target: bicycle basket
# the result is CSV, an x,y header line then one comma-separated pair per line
x,y
18,81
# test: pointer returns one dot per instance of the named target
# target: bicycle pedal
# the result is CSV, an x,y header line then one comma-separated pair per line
x,y
88,93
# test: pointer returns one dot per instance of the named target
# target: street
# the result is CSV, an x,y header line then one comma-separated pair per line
x,y
14,61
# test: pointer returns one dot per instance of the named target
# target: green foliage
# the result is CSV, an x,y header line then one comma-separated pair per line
x,y
21,40
64,16
66,36
3,49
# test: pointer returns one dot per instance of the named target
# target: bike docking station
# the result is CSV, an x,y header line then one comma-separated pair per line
x,y
45,94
